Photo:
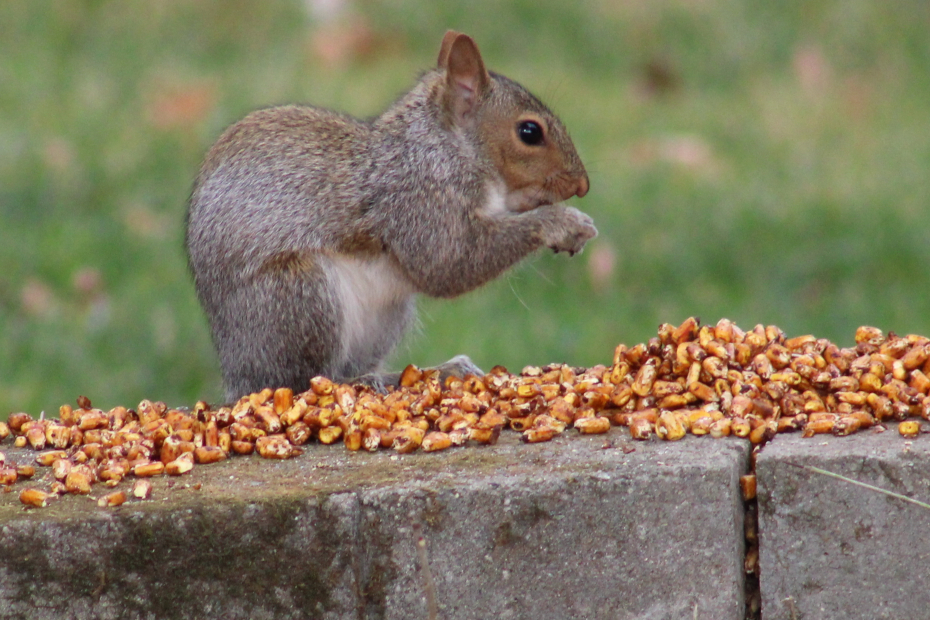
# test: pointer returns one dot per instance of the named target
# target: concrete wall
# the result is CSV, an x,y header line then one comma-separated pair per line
x,y
581,527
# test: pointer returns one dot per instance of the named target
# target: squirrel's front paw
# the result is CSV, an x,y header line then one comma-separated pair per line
x,y
571,231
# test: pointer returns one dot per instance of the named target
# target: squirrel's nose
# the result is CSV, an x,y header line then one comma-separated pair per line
x,y
582,186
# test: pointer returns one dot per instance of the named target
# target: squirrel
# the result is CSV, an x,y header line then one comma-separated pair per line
x,y
310,233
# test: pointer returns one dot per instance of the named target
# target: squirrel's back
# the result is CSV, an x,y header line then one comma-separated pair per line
x,y
279,180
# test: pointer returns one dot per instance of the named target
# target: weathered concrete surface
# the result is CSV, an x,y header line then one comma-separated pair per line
x,y
567,529
831,549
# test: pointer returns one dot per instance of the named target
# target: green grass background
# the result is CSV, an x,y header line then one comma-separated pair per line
x,y
764,161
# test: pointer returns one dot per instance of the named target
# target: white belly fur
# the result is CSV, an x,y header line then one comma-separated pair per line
x,y
369,292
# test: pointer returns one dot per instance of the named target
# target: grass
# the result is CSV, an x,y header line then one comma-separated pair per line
x,y
767,162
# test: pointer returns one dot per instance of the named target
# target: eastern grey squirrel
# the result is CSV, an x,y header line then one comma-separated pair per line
x,y
309,233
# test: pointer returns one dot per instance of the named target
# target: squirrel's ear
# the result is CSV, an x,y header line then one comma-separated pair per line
x,y
466,77
447,41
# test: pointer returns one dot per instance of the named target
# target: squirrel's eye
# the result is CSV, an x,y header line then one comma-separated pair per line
x,y
530,133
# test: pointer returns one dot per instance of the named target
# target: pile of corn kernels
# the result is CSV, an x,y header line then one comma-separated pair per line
x,y
707,380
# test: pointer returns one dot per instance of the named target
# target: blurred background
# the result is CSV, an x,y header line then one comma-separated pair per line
x,y
763,161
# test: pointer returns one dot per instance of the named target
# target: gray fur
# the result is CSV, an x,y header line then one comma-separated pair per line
x,y
296,206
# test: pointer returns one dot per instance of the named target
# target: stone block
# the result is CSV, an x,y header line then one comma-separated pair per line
x,y
832,549
583,527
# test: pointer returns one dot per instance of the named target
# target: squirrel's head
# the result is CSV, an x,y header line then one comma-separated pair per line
x,y
525,141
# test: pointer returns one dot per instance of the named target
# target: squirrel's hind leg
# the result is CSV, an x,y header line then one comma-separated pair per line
x,y
458,366
277,329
